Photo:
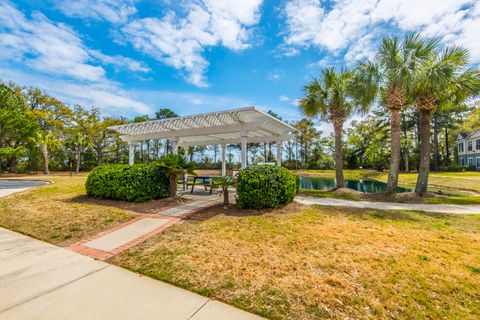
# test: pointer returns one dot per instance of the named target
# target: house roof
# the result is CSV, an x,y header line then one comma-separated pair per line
x,y
223,127
468,135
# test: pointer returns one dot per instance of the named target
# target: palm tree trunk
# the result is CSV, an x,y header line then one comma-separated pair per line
x,y
44,151
395,151
447,147
225,196
423,171
435,142
337,128
173,185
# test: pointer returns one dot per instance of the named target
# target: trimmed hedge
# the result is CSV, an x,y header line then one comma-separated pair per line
x,y
266,187
138,182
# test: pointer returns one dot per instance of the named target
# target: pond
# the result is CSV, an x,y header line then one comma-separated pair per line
x,y
364,185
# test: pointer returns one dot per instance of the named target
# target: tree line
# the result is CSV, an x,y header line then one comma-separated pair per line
x,y
413,73
39,132
416,94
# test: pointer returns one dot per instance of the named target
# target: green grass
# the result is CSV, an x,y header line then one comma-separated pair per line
x,y
458,199
324,262
454,200
461,181
327,194
457,187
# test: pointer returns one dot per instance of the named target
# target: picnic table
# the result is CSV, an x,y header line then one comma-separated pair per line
x,y
206,181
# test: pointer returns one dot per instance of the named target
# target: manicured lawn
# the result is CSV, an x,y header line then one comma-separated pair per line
x,y
468,181
458,187
450,199
311,263
60,213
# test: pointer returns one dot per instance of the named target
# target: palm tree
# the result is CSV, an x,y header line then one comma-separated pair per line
x,y
443,79
174,165
331,98
390,75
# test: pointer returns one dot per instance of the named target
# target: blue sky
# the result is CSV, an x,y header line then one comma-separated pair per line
x,y
132,57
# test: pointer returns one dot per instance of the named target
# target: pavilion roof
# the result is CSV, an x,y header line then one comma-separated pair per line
x,y
222,127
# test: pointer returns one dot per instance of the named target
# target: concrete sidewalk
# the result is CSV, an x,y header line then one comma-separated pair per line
x,y
42,281
437,208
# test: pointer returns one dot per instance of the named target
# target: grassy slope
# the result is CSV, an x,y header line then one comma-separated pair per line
x,y
58,213
325,263
468,181
459,199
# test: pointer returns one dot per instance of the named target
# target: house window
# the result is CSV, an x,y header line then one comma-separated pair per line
x,y
460,147
478,161
470,146
462,161
470,161
477,144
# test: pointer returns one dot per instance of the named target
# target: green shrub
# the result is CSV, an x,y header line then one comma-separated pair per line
x,y
138,182
266,187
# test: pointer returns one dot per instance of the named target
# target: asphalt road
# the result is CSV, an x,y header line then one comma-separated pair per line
x,y
10,186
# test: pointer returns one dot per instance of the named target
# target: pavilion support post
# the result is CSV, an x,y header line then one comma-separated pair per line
x,y
185,153
279,152
244,150
175,146
224,164
131,153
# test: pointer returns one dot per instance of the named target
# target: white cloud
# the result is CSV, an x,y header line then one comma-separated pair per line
x,y
275,75
107,95
197,101
32,48
44,45
54,48
180,41
114,11
283,98
354,25
120,62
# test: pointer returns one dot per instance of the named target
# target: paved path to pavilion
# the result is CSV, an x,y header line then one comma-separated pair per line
x,y
40,281
439,208
113,241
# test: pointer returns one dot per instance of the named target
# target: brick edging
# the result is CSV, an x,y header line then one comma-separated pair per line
x,y
81,248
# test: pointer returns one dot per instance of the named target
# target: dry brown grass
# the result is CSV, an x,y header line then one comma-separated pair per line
x,y
60,213
310,263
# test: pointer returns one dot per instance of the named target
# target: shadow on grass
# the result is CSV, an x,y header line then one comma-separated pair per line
x,y
233,211
367,213
147,207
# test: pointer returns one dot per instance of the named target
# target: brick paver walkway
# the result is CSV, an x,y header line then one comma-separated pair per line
x,y
111,242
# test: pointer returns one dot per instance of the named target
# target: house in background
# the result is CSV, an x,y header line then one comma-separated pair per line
x,y
468,145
